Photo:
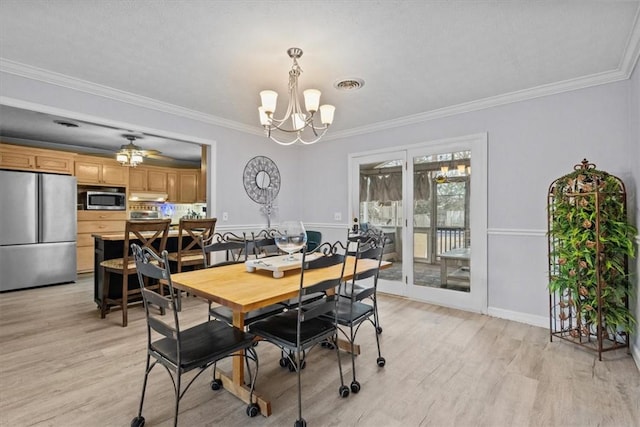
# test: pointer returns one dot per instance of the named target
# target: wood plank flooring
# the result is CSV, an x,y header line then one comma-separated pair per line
x,y
61,365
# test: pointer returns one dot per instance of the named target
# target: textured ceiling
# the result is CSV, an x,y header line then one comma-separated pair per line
x,y
416,57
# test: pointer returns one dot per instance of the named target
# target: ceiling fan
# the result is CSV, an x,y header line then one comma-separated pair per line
x,y
131,154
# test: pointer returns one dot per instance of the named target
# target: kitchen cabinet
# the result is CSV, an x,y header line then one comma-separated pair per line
x,y
188,185
18,157
146,178
94,170
95,222
172,186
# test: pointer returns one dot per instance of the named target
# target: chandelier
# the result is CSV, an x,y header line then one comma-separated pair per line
x,y
130,154
295,121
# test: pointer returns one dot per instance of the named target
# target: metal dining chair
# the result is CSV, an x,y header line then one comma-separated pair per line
x,y
181,350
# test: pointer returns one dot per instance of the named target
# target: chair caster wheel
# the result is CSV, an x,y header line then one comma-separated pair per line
x,y
300,423
355,386
379,330
284,362
381,361
292,367
137,422
253,410
344,391
216,385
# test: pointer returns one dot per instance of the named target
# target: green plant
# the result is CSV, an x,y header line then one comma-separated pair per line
x,y
590,242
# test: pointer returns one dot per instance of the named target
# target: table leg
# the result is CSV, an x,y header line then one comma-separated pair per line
x,y
234,384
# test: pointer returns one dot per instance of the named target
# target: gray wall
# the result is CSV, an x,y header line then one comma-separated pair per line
x,y
530,144
633,188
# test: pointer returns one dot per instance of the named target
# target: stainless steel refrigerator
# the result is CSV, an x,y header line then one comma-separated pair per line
x,y
37,229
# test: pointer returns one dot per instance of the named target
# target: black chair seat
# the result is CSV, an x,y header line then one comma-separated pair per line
x,y
226,314
281,329
220,338
352,313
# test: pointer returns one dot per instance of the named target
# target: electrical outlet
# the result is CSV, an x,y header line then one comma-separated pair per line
x,y
225,216
337,216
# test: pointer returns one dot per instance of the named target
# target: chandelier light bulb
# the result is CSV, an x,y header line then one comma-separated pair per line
x,y
312,99
269,99
326,114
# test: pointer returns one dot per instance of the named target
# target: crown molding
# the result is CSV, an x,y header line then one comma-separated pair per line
x,y
494,101
68,82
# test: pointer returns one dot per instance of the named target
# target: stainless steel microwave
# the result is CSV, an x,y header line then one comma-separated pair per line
x,y
103,200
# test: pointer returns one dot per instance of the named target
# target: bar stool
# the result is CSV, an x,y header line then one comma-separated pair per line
x,y
146,233
191,233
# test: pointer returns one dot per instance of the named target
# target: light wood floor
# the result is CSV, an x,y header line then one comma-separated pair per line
x,y
61,365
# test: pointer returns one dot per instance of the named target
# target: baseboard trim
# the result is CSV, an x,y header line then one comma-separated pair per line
x,y
516,316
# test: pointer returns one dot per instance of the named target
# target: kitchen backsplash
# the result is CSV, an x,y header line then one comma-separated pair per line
x,y
175,211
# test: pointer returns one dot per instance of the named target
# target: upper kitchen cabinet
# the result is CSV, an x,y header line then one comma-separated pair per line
x,y
35,159
94,170
188,185
148,178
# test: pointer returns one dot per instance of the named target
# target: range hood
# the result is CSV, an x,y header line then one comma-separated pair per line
x,y
147,196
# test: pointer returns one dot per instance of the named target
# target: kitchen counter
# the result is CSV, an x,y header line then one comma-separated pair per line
x,y
110,246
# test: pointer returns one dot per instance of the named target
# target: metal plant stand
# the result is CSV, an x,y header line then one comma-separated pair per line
x,y
588,248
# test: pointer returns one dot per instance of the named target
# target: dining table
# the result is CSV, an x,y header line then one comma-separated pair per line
x,y
242,291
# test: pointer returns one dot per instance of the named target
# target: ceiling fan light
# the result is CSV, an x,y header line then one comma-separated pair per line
x,y
326,114
312,99
136,158
269,99
122,158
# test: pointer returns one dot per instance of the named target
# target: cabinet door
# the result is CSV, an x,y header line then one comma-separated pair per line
x,y
115,174
54,164
137,179
88,172
188,186
157,180
172,186
16,160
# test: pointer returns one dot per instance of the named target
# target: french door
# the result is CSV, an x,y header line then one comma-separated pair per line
x,y
431,202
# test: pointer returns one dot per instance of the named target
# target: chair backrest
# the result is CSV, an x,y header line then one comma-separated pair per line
x,y
191,232
150,234
314,238
151,266
371,247
232,245
332,254
263,243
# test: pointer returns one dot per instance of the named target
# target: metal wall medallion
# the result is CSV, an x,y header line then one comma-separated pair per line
x,y
261,179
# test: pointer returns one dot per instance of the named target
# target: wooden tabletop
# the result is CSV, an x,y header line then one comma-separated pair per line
x,y
233,286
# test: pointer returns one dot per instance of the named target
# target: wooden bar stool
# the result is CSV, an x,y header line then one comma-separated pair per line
x,y
149,234
190,236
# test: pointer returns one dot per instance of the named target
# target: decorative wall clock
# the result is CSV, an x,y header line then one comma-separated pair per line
x,y
261,179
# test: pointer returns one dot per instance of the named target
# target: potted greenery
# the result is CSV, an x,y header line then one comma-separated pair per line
x,y
590,243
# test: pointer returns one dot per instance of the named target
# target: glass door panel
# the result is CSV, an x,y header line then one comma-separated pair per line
x,y
378,202
440,220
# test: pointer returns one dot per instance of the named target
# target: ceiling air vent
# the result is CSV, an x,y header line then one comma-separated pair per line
x,y
349,84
